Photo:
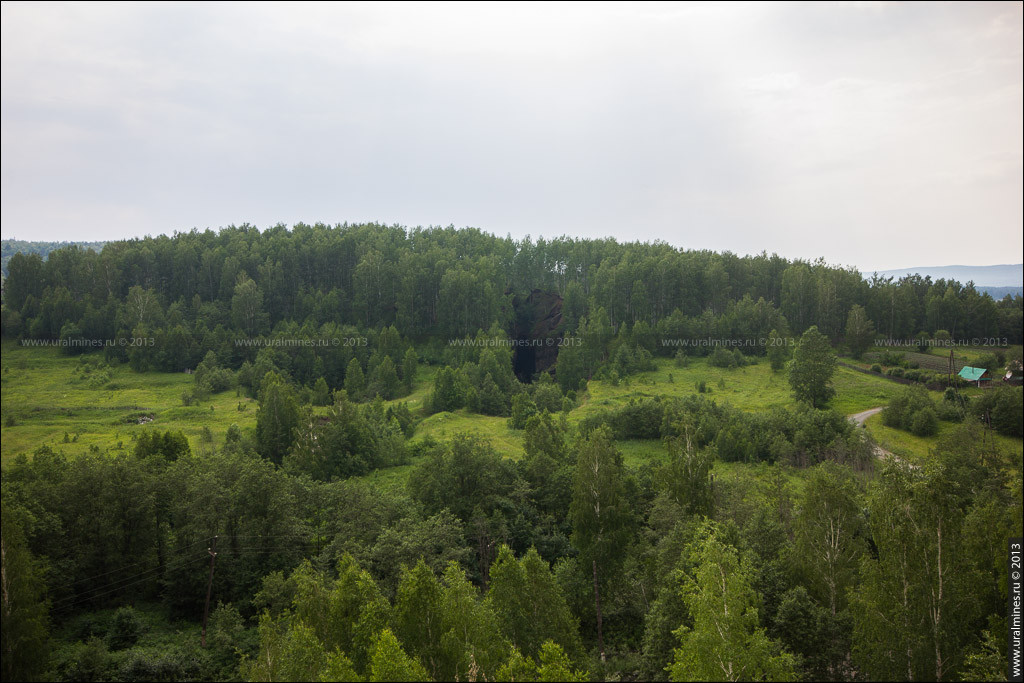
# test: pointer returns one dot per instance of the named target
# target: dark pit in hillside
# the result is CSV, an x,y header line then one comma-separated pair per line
x,y
536,330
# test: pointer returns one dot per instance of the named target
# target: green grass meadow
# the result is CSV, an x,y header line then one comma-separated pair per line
x,y
750,388
44,398
47,395
918,448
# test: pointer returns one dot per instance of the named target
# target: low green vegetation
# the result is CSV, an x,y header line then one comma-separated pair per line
x,y
77,403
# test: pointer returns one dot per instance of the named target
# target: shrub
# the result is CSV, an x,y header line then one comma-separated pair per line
x,y
523,408
638,420
547,397
989,361
490,400
950,411
912,410
924,422
876,368
720,358
891,358
125,629
643,361
1004,407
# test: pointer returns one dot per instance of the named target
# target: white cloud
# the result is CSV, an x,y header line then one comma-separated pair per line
x,y
804,129
775,82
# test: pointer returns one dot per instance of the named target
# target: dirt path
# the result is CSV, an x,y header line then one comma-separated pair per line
x,y
859,418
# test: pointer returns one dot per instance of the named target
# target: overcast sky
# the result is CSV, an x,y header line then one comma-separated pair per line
x,y
873,134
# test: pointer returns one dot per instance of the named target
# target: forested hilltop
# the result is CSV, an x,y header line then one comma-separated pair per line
x,y
450,282
370,453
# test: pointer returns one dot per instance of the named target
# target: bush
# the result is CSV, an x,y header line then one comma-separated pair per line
x,y
912,375
990,362
125,629
912,410
734,444
924,422
924,342
449,391
523,408
490,400
950,411
547,397
638,420
891,358
876,368
1004,406
721,358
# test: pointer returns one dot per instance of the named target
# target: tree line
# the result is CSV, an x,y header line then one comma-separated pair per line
x,y
445,283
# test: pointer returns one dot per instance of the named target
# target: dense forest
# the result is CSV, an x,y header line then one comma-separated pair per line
x,y
450,283
823,562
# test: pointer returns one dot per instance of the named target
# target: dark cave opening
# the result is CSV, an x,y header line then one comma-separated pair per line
x,y
538,319
524,363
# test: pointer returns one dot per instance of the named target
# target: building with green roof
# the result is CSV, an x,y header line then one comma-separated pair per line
x,y
977,375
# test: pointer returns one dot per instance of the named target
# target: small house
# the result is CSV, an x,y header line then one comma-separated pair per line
x,y
976,375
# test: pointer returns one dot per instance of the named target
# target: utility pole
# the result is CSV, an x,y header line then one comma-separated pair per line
x,y
209,586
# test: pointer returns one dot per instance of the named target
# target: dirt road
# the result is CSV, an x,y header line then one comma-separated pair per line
x,y
859,418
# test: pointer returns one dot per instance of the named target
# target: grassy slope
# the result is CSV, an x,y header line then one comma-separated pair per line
x,y
751,388
42,392
45,397
917,448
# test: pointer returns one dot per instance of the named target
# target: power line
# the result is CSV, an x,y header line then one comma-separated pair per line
x,y
147,575
119,569
89,598
113,584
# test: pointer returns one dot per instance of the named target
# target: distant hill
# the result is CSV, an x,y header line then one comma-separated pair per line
x,y
1000,292
984,277
12,247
